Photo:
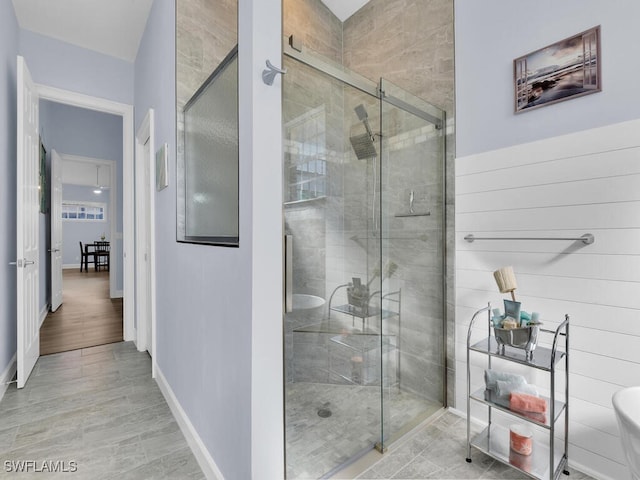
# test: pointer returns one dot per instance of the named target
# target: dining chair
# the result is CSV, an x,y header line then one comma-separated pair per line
x,y
84,257
102,255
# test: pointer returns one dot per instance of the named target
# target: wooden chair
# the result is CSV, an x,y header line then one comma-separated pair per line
x,y
85,254
102,255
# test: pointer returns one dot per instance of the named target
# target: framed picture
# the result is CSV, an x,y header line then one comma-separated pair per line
x,y
566,69
162,181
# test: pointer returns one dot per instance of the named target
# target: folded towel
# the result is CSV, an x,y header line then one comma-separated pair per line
x,y
504,390
523,402
492,376
538,417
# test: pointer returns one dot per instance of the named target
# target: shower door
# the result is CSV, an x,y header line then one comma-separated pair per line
x,y
412,193
332,222
362,167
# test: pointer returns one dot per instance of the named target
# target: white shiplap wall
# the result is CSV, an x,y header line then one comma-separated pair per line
x,y
585,182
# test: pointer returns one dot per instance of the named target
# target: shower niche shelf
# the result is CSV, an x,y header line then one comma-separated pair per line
x,y
548,459
356,356
371,311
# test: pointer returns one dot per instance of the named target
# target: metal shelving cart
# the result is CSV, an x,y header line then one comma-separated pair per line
x,y
546,461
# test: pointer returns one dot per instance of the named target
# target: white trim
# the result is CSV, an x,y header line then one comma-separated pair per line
x,y
7,375
126,112
43,314
120,294
69,266
206,462
146,207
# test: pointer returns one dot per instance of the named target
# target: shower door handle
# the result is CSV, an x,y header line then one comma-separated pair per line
x,y
288,273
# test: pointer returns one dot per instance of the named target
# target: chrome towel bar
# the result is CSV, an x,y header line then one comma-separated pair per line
x,y
587,238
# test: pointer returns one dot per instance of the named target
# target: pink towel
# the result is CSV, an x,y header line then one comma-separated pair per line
x,y
522,402
538,417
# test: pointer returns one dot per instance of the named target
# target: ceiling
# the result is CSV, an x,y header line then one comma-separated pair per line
x,y
343,9
77,172
112,27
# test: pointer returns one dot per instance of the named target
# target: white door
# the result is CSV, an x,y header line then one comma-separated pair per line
x,y
144,170
56,231
147,244
28,205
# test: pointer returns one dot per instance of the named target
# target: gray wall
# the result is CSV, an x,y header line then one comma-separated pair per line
x,y
203,292
485,118
85,232
77,131
59,64
8,52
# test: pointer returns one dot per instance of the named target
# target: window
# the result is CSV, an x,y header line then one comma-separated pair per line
x,y
84,211
306,157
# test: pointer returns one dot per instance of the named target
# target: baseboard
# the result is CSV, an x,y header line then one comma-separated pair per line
x,y
592,473
7,375
43,314
69,266
118,294
206,462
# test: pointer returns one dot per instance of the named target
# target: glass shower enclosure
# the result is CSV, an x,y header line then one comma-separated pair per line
x,y
364,225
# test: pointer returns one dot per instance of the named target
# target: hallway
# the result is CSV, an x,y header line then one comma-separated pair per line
x,y
97,407
87,316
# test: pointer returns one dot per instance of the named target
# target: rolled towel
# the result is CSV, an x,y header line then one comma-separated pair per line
x,y
492,376
523,402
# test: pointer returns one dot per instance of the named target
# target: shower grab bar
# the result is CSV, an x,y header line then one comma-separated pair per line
x,y
587,238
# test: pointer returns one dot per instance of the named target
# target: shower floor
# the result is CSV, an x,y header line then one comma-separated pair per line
x,y
317,445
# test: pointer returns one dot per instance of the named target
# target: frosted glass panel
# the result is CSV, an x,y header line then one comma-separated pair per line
x,y
211,159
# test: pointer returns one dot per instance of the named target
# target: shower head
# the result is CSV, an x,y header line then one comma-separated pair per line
x,y
363,116
361,112
363,144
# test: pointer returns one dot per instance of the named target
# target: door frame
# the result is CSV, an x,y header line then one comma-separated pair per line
x,y
55,232
146,206
111,212
125,111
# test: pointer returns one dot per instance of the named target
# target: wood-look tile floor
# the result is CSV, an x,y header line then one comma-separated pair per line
x,y
87,316
99,408
438,451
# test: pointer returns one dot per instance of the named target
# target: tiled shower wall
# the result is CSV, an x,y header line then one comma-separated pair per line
x,y
312,23
411,44
206,31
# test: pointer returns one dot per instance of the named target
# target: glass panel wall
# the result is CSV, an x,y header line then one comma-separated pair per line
x,y
412,196
332,334
363,213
